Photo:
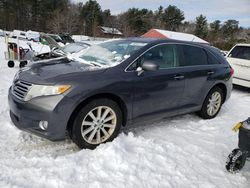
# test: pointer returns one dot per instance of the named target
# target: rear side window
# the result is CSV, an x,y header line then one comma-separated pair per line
x,y
193,56
211,59
242,52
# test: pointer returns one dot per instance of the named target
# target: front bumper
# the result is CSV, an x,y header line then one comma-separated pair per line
x,y
53,109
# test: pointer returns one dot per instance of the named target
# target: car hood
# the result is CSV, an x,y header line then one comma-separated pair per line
x,y
56,70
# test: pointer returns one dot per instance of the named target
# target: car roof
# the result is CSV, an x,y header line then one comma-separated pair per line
x,y
141,39
152,42
159,41
242,44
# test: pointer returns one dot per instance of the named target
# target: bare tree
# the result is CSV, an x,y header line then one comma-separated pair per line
x,y
55,23
65,21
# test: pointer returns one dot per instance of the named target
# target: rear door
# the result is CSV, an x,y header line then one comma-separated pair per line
x,y
239,59
198,74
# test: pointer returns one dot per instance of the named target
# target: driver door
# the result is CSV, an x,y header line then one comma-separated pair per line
x,y
158,93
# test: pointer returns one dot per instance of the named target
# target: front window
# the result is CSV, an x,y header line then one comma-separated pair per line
x,y
111,53
165,56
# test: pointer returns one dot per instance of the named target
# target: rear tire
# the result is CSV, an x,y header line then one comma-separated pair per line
x,y
212,104
97,122
235,161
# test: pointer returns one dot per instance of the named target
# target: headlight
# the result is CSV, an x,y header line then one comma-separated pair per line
x,y
42,90
246,124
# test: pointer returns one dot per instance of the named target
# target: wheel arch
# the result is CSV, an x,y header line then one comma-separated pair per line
x,y
110,96
223,88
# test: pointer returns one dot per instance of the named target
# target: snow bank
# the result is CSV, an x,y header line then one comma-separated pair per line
x,y
183,151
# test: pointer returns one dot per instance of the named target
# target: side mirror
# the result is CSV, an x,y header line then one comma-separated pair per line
x,y
149,66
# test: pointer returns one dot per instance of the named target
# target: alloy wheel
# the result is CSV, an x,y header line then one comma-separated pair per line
x,y
98,125
214,103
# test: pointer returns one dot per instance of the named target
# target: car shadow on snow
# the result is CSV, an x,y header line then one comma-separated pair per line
x,y
175,121
241,88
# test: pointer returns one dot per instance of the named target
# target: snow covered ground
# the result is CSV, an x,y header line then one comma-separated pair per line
x,y
183,151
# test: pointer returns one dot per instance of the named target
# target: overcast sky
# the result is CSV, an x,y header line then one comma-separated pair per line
x,y
212,9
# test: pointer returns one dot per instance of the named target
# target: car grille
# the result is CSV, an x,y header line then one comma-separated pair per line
x,y
20,89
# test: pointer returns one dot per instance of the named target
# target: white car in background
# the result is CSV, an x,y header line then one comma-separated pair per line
x,y
239,58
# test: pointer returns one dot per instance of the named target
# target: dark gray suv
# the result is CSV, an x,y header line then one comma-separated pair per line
x,y
117,83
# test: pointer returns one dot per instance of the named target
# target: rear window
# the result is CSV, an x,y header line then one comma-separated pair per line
x,y
241,52
193,56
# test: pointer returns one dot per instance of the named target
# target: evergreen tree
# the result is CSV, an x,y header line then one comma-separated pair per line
x,y
172,18
230,27
136,21
91,14
201,28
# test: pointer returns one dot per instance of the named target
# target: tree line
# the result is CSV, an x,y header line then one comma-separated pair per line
x,y
63,16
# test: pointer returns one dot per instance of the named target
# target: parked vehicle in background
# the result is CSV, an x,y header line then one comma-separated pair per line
x,y
239,58
117,83
224,53
57,38
66,38
48,40
33,35
73,49
18,34
62,39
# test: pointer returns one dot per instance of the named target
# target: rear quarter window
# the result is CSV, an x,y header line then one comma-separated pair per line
x,y
241,52
193,56
211,59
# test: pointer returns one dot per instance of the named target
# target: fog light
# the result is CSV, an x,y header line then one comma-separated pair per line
x,y
43,125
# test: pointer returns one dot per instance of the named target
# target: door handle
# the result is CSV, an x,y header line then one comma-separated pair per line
x,y
179,77
210,72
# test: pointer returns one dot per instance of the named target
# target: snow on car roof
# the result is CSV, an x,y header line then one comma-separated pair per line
x,y
242,44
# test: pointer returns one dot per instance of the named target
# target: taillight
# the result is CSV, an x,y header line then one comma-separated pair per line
x,y
231,71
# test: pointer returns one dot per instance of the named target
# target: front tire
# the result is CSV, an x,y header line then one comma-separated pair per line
x,y
97,122
212,104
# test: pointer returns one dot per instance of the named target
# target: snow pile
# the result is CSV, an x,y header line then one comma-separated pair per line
x,y
183,151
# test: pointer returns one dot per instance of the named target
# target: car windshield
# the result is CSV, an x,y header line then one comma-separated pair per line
x,y
111,53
